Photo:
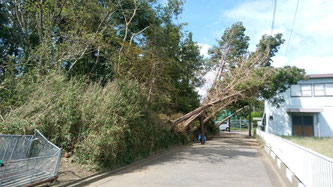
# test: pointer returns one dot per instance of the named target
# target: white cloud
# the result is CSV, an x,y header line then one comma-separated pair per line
x,y
280,61
204,49
311,42
209,79
315,65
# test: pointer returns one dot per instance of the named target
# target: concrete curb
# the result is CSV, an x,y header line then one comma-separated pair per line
x,y
285,173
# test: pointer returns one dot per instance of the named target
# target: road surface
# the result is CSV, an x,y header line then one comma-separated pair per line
x,y
229,159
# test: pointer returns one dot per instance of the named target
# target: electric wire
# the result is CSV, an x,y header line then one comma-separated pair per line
x,y
273,19
292,27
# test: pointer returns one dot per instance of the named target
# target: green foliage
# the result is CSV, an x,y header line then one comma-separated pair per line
x,y
273,42
232,45
110,125
256,115
281,80
103,41
96,74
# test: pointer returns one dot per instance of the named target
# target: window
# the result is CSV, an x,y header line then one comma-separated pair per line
x,y
329,89
319,90
323,89
306,90
301,90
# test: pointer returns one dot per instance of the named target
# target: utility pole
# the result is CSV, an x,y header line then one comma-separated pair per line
x,y
229,124
202,128
250,120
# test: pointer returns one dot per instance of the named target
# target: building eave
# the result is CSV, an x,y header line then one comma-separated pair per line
x,y
320,76
305,110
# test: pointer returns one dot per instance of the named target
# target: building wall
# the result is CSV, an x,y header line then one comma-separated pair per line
x,y
281,122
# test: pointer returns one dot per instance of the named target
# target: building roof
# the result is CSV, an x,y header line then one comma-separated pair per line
x,y
319,76
311,110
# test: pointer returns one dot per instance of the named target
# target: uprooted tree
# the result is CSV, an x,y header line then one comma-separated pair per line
x,y
242,76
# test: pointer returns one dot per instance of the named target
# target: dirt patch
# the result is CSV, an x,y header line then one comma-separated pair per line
x,y
70,171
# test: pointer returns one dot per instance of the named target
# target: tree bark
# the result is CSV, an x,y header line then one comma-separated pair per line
x,y
230,116
202,130
229,124
214,113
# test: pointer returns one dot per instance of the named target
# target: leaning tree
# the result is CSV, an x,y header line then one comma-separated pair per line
x,y
242,76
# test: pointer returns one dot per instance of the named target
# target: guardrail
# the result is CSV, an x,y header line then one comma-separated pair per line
x,y
311,168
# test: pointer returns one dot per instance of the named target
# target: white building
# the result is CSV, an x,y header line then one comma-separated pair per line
x,y
307,110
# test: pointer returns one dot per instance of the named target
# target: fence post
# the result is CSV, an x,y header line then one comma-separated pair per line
x,y
249,120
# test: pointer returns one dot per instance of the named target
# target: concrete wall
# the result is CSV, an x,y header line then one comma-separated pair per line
x,y
281,122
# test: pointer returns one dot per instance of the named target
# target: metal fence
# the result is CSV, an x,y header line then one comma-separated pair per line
x,y
236,123
311,168
27,159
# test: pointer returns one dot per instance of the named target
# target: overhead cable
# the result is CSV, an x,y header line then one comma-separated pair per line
x,y
273,19
292,27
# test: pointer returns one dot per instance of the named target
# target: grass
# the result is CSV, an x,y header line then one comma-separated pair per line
x,y
320,145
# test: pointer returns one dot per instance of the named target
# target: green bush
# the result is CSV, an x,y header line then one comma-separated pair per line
x,y
108,125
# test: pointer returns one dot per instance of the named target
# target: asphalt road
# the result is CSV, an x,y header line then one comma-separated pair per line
x,y
230,159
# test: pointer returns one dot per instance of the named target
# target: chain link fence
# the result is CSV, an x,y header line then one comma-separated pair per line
x,y
27,159
237,123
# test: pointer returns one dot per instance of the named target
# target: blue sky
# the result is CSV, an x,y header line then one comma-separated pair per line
x,y
311,44
205,18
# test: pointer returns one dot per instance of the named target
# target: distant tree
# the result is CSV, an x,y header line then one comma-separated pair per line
x,y
103,41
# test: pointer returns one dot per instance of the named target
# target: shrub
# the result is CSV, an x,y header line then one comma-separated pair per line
x,y
107,125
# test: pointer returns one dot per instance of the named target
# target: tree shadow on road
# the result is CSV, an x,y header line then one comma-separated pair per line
x,y
219,150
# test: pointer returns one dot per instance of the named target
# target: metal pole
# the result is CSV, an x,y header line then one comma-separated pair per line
x,y
33,170
229,125
58,163
240,123
11,155
202,130
9,141
318,124
250,120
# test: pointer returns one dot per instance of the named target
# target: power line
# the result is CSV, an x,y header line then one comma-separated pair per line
x,y
292,27
273,19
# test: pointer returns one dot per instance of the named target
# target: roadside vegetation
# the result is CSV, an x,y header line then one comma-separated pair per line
x,y
110,81
100,79
320,145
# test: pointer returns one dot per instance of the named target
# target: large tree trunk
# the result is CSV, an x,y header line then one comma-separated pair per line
x,y
191,116
202,130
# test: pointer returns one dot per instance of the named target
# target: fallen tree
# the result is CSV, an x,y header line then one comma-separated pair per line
x,y
225,119
242,76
